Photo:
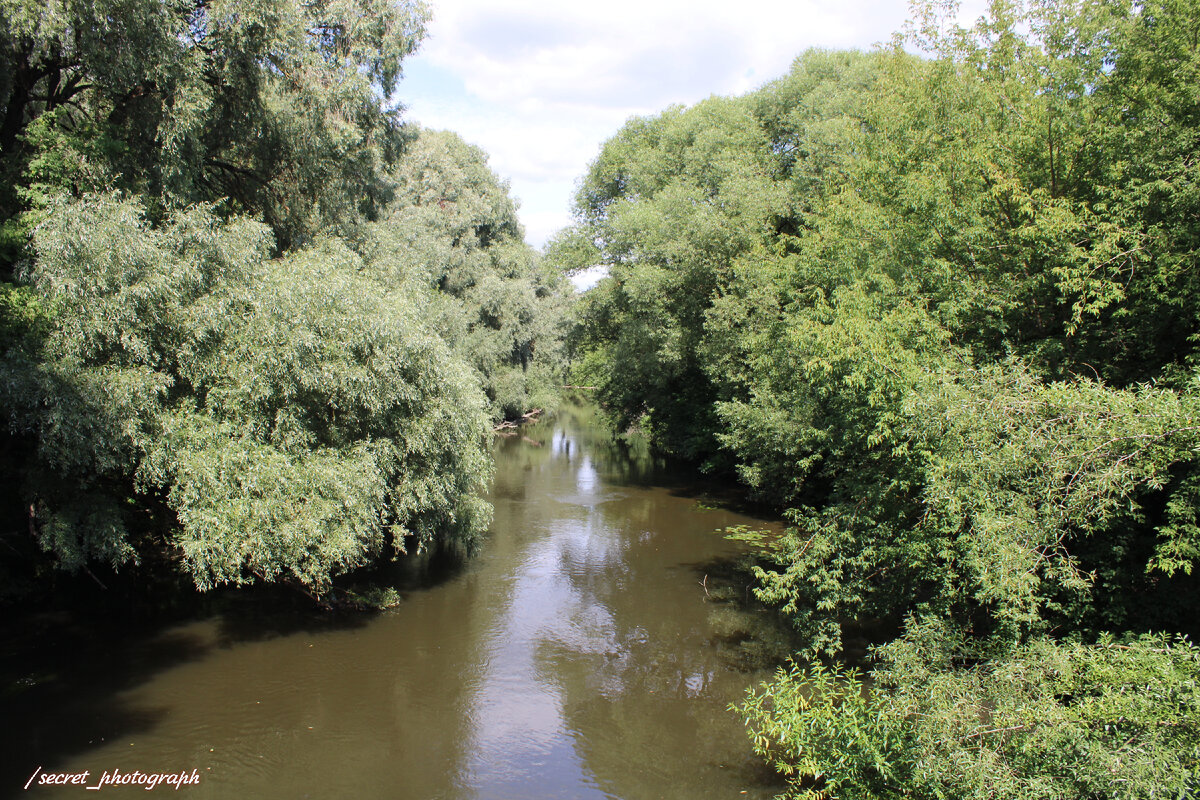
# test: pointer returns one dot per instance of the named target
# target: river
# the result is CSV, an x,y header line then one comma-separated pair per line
x,y
590,649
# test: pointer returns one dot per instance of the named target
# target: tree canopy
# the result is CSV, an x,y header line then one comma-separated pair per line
x,y
254,324
939,308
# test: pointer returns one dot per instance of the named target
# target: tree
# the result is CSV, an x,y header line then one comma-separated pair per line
x,y
273,106
672,202
294,417
452,227
236,338
939,310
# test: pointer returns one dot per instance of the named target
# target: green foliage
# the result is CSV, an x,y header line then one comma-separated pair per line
x,y
673,201
942,718
989,484
23,316
882,290
827,734
826,386
249,317
502,308
295,415
274,106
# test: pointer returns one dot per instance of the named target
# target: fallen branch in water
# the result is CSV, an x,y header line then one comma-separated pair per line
x,y
508,424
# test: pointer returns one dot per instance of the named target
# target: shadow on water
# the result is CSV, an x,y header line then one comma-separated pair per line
x,y
60,684
65,674
69,675
749,636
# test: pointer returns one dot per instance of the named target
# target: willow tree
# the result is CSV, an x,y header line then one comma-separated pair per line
x,y
201,358
285,419
273,106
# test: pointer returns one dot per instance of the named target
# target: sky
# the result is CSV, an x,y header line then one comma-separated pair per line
x,y
541,84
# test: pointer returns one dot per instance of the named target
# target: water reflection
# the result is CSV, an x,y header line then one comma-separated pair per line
x,y
581,654
617,624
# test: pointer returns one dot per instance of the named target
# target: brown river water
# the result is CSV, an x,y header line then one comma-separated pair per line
x,y
590,649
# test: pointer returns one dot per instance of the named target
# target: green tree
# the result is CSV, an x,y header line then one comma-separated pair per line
x,y
940,309
294,417
672,202
254,312
273,106
453,228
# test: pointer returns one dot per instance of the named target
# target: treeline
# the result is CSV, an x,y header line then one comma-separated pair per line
x,y
945,310
255,328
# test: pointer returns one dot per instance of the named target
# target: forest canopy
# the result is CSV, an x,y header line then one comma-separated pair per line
x,y
255,327
943,310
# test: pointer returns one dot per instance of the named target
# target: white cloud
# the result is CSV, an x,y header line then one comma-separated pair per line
x,y
540,85
646,53
587,278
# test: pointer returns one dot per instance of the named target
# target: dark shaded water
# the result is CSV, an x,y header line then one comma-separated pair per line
x,y
590,650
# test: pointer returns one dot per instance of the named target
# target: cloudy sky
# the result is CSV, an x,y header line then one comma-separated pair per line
x,y
540,84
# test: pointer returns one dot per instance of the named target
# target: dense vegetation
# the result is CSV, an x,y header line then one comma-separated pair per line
x,y
254,327
944,310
